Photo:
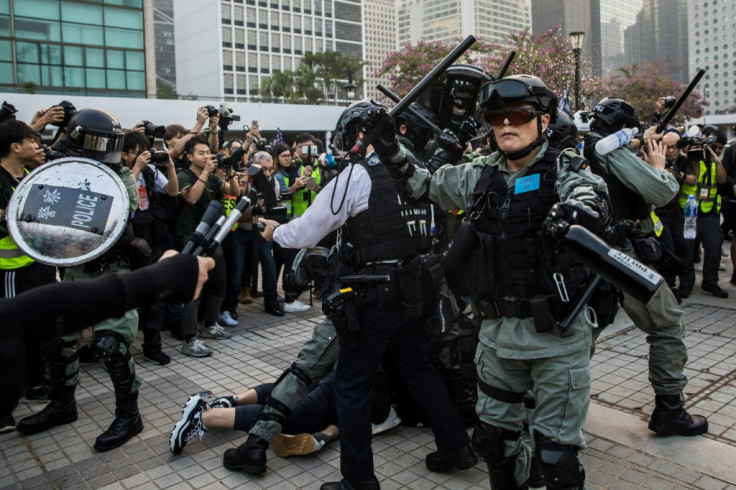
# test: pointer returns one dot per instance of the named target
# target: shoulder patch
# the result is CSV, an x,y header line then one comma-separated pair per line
x,y
374,160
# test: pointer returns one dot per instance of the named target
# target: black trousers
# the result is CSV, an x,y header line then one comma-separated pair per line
x,y
711,236
356,371
672,240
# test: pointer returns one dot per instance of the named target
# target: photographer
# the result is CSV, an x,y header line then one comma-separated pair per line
x,y
710,173
149,226
43,117
176,137
199,185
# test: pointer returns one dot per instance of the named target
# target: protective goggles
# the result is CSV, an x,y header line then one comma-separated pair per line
x,y
515,115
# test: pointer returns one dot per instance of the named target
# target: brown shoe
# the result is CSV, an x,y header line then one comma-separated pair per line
x,y
245,296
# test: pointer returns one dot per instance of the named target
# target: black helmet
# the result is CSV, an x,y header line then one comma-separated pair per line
x,y
519,89
562,133
96,134
348,126
416,131
609,116
460,86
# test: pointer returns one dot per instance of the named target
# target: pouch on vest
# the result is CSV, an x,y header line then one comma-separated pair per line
x,y
541,313
408,275
605,303
472,273
649,250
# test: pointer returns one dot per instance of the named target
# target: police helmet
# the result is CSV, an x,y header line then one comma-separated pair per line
x,y
582,121
609,115
349,125
518,89
96,134
562,133
459,94
416,131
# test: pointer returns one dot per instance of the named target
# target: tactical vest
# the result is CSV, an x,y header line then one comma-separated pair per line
x,y
389,227
626,203
705,190
523,262
11,257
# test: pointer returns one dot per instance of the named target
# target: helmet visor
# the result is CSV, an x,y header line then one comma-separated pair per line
x,y
103,146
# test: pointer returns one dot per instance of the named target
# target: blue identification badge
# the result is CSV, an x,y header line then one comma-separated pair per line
x,y
374,160
526,184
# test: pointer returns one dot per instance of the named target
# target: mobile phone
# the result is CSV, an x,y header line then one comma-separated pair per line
x,y
312,181
313,149
254,123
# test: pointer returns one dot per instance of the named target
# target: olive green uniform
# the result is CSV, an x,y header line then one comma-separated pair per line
x,y
511,355
661,319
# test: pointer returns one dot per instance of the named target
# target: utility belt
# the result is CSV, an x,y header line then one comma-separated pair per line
x,y
546,310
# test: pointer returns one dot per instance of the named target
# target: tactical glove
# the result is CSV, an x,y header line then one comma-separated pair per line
x,y
381,127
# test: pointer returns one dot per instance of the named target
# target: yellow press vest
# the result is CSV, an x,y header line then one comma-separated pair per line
x,y
705,190
11,257
298,202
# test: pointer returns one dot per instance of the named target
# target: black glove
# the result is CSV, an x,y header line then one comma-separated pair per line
x,y
379,129
571,212
467,130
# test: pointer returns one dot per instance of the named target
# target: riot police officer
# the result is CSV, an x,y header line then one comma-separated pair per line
x,y
523,282
96,134
634,185
380,235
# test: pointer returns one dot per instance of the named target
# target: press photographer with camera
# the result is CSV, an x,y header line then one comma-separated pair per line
x,y
43,117
199,185
176,137
663,104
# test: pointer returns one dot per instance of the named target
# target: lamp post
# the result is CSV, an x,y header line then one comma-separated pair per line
x,y
707,96
577,39
350,88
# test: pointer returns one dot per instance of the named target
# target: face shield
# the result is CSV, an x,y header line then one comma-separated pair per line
x,y
102,146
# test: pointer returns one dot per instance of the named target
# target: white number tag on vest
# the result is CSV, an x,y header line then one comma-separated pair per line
x,y
703,193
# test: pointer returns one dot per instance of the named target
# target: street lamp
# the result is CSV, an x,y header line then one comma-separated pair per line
x,y
577,39
350,88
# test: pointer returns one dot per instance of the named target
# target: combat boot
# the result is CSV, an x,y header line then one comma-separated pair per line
x,y
61,410
127,423
249,457
447,462
670,418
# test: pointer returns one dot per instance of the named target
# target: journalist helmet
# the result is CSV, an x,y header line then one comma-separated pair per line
x,y
610,115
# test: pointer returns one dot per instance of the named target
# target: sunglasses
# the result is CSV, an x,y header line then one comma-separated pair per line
x,y
516,116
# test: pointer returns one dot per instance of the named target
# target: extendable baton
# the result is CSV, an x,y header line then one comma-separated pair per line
x,y
663,124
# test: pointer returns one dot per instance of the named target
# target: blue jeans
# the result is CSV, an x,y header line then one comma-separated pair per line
x,y
241,242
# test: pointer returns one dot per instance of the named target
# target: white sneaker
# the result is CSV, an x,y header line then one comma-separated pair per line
x,y
391,421
196,348
227,319
698,267
215,331
295,307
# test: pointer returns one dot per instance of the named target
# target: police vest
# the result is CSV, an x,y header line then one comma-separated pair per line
x,y
705,190
523,261
303,198
626,203
389,227
11,257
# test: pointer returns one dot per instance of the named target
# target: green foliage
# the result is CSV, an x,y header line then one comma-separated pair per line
x,y
164,91
29,87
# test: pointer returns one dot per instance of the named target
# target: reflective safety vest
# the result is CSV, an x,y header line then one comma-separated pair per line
x,y
303,198
658,226
230,202
11,257
705,190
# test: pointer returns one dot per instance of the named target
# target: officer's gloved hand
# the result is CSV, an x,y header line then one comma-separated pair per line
x,y
377,123
572,212
467,130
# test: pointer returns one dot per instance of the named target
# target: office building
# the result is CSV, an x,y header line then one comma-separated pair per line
x,y
615,17
712,47
450,20
224,49
77,47
379,19
572,16
163,27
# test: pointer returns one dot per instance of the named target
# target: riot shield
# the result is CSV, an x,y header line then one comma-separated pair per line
x,y
68,211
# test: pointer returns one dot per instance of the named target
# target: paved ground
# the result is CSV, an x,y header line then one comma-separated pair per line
x,y
621,452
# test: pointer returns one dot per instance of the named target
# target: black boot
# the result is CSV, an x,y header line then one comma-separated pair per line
x,y
127,423
61,410
670,418
446,462
249,457
346,485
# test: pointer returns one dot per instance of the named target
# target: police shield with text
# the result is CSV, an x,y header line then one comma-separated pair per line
x,y
521,281
95,134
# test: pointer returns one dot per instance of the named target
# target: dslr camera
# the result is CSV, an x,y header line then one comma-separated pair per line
x,y
211,111
227,117
669,102
696,147
7,111
159,158
153,131
69,111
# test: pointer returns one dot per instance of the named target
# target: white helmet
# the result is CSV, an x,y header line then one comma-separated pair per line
x,y
582,121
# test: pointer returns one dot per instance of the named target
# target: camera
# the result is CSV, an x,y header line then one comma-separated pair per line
x,y
310,150
7,111
50,153
69,111
159,157
696,147
153,131
212,111
669,102
227,117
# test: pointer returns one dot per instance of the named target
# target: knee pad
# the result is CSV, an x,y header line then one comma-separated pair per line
x,y
109,344
559,464
489,441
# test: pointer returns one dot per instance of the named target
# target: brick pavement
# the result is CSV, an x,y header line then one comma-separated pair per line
x,y
621,452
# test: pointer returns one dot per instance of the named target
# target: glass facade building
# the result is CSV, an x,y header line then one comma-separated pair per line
x,y
73,47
